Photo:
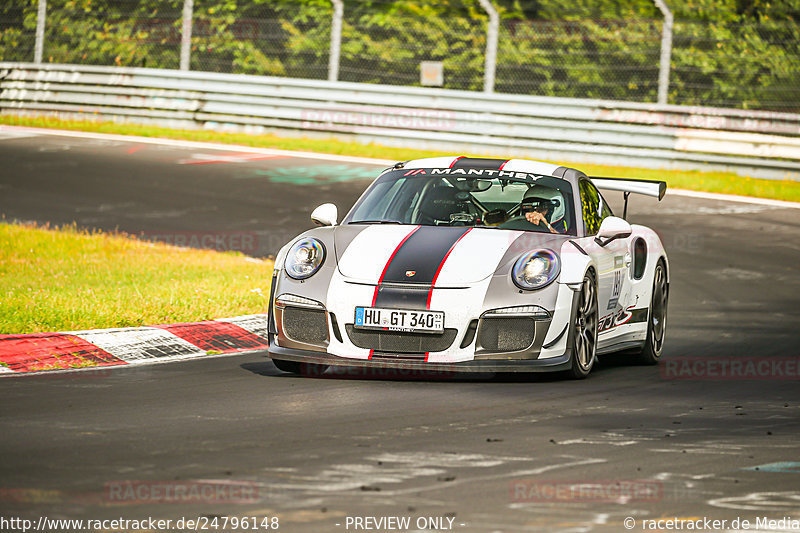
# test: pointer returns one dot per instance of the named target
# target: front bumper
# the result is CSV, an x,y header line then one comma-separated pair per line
x,y
481,333
552,364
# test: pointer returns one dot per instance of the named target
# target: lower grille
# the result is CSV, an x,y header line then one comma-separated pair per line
x,y
506,334
401,342
385,356
305,325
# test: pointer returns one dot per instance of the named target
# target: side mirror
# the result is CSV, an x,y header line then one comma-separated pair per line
x,y
613,228
325,215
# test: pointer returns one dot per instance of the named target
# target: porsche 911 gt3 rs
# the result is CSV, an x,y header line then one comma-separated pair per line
x,y
472,265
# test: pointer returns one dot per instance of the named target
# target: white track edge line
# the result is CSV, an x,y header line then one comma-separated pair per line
x,y
346,159
200,145
733,198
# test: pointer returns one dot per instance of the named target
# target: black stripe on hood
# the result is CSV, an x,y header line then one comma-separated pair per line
x,y
421,254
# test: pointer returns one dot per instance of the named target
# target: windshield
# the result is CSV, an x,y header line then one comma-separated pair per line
x,y
492,199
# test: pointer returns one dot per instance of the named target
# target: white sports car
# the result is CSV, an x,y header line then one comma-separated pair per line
x,y
472,265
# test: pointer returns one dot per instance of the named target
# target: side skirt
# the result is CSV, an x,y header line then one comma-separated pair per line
x,y
619,347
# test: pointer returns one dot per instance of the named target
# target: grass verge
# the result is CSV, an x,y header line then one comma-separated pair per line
x,y
719,182
65,279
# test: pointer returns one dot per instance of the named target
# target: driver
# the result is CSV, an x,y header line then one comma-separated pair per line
x,y
544,206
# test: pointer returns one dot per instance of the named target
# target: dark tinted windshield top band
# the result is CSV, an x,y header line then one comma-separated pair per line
x,y
479,162
485,173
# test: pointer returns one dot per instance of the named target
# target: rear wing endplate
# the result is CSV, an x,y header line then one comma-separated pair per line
x,y
653,188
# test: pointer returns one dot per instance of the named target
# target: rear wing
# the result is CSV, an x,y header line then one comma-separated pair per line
x,y
653,188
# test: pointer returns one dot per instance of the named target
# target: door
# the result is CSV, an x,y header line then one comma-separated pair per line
x,y
612,260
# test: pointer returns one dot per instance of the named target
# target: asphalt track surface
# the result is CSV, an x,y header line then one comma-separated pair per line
x,y
496,453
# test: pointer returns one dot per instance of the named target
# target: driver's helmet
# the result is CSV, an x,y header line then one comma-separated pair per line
x,y
439,202
538,197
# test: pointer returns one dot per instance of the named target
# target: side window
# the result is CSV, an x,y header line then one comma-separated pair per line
x,y
386,191
592,207
605,211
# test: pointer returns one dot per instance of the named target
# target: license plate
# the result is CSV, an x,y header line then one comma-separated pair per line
x,y
399,319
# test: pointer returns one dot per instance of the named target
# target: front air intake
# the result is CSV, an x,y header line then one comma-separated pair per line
x,y
308,326
506,334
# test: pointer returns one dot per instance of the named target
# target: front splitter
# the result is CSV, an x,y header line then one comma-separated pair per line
x,y
551,364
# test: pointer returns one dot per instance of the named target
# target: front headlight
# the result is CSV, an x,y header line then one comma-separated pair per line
x,y
304,258
536,269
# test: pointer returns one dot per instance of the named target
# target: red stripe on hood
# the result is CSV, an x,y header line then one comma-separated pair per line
x,y
389,262
438,270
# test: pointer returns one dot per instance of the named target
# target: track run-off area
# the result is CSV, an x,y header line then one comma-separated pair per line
x,y
233,437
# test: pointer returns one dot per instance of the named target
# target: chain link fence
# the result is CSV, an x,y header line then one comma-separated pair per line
x,y
607,59
755,66
388,48
17,30
713,63
268,39
120,33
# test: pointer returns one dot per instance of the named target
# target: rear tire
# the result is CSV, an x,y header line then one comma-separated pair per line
x,y
583,329
656,318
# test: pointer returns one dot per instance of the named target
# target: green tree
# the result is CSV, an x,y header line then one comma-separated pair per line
x,y
734,53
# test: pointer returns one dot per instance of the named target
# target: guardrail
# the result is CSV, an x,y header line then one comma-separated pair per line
x,y
755,143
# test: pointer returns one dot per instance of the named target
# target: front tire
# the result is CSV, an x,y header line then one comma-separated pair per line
x,y
656,318
583,329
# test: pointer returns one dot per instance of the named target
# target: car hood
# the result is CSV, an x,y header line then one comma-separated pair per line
x,y
452,256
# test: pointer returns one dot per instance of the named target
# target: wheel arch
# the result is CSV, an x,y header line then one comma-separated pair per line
x,y
663,258
575,263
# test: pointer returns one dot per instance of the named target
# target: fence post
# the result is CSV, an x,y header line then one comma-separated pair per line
x,y
336,40
186,34
666,52
41,15
491,46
